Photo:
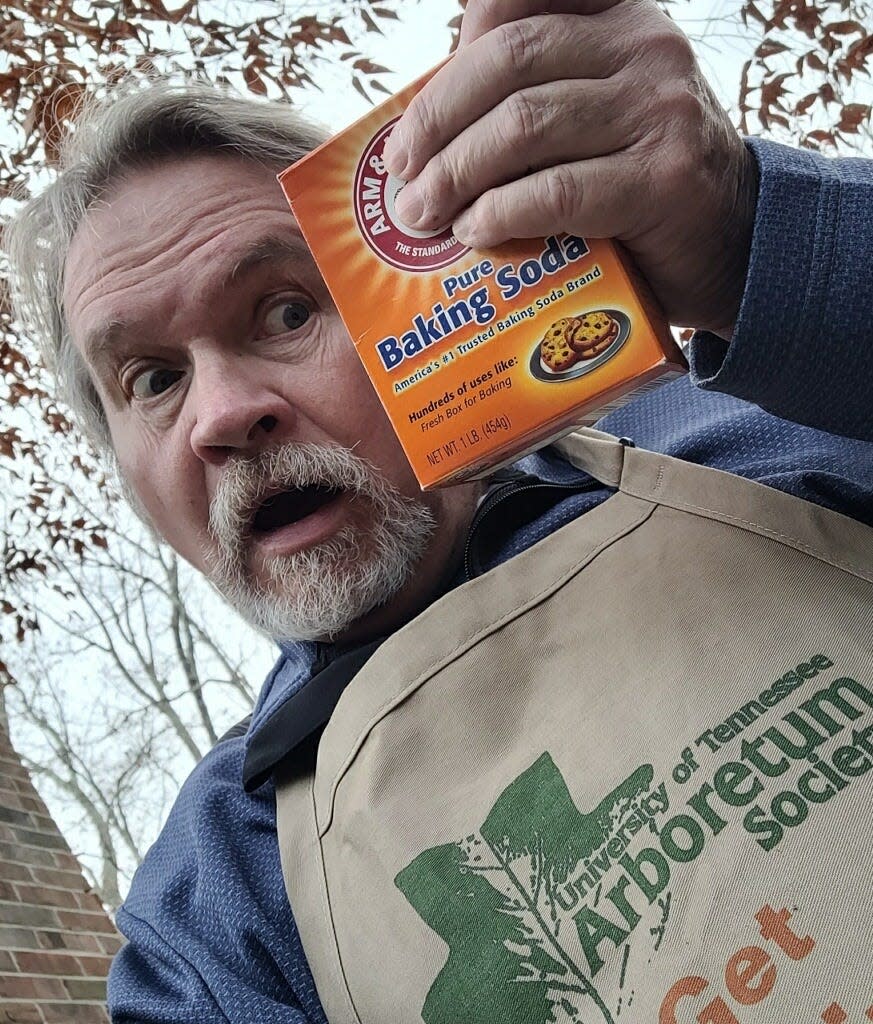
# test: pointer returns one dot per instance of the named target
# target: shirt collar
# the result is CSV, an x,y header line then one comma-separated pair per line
x,y
302,712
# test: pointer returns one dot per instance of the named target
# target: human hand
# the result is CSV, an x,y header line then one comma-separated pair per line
x,y
591,117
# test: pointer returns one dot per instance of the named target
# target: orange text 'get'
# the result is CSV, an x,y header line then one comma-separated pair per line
x,y
750,975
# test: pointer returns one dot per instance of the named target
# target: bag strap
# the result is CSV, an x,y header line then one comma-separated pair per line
x,y
600,455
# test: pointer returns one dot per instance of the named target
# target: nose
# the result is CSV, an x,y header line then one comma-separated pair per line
x,y
238,410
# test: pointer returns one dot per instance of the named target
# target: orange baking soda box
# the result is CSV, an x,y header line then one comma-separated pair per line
x,y
478,356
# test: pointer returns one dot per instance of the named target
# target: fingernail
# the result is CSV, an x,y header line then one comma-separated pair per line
x,y
462,229
394,154
409,205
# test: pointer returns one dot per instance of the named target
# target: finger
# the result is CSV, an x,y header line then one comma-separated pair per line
x,y
557,123
482,16
606,197
512,57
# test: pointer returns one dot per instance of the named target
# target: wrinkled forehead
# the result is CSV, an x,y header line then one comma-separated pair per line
x,y
174,232
155,217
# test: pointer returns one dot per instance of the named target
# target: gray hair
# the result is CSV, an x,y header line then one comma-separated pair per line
x,y
136,126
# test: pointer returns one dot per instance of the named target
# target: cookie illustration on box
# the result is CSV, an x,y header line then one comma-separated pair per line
x,y
564,329
557,354
557,349
596,332
575,345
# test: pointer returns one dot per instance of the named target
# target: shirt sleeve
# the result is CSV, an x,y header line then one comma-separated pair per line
x,y
152,983
211,937
802,347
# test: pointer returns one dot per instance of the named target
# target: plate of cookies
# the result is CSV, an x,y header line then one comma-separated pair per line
x,y
575,345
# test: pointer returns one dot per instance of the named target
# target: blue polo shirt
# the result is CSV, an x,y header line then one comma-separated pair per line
x,y
789,403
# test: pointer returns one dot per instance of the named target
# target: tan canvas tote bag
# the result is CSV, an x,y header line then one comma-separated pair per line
x,y
625,776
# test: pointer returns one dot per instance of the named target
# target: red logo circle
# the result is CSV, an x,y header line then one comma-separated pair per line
x,y
389,238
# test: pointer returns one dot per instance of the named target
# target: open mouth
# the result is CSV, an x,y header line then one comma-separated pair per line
x,y
289,507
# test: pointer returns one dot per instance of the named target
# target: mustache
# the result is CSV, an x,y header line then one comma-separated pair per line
x,y
319,591
248,480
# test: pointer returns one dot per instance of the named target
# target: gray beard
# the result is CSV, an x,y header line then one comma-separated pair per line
x,y
319,592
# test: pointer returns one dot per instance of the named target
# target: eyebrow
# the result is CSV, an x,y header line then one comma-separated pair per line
x,y
271,249
102,341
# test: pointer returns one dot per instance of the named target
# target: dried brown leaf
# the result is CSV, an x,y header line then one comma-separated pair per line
x,y
253,80
768,48
806,103
750,10
822,136
844,28
368,67
827,93
10,80
856,58
356,82
852,116
337,34
368,21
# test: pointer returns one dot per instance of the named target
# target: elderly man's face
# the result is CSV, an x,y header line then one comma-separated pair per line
x,y
239,411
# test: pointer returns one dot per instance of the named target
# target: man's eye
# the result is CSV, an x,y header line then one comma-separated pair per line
x,y
154,382
285,316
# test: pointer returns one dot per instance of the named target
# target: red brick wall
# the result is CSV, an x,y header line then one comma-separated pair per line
x,y
56,941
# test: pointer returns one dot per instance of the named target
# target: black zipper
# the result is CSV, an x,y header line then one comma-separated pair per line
x,y
502,494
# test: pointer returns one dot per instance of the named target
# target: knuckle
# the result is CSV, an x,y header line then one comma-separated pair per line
x,y
419,117
526,118
521,44
564,193
683,105
673,47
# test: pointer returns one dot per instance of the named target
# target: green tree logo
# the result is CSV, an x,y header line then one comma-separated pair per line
x,y
515,953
